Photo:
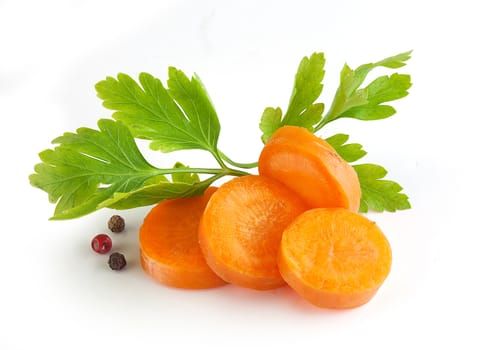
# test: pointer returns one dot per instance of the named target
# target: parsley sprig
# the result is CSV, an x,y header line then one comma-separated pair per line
x,y
351,100
99,168
92,169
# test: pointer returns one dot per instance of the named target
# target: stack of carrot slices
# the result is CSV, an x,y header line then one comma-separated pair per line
x,y
295,223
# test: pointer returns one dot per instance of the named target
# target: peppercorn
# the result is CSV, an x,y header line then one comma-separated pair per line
x,y
101,243
116,224
117,261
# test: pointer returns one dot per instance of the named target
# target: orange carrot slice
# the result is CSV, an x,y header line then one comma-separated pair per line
x,y
334,258
241,230
311,168
169,247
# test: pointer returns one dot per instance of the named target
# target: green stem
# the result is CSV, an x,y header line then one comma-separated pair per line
x,y
218,156
160,171
235,172
239,165
325,120
206,183
216,171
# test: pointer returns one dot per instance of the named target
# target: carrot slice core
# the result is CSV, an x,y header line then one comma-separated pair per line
x,y
334,258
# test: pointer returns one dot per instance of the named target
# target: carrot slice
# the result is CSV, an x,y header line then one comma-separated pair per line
x,y
311,168
169,247
241,230
334,258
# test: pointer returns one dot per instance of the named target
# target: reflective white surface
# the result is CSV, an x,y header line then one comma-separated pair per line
x,y
55,292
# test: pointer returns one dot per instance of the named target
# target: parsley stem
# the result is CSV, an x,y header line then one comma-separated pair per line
x,y
213,171
329,117
220,161
239,165
212,179
234,172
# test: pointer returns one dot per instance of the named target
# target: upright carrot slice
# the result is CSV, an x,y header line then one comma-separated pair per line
x,y
169,247
334,258
241,230
310,167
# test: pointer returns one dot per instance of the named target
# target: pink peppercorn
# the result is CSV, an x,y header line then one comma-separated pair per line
x,y
101,243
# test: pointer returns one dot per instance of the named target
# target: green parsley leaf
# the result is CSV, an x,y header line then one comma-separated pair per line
x,y
153,193
379,194
381,90
307,87
302,111
89,167
350,152
92,169
351,101
187,178
270,122
157,189
181,117
376,193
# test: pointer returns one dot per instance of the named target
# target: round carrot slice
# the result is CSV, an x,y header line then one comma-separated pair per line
x,y
169,247
334,258
311,168
241,230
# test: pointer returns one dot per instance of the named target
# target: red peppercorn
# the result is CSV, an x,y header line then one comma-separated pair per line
x,y
101,243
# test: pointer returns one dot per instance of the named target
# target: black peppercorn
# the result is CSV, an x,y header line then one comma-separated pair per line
x,y
117,261
116,224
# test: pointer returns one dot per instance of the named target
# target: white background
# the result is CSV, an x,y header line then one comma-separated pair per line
x,y
56,293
